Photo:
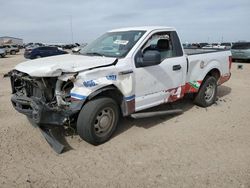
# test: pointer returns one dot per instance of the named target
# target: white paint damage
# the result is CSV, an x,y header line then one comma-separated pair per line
x,y
90,81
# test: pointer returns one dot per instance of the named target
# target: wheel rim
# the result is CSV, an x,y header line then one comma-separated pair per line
x,y
209,92
104,121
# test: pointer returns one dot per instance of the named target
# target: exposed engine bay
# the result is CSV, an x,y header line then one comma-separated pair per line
x,y
45,100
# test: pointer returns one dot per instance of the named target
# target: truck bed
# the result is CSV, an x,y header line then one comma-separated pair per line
x,y
194,51
200,61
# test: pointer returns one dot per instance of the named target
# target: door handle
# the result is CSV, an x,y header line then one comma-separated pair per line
x,y
176,67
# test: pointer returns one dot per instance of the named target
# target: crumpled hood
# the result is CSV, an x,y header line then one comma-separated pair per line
x,y
54,66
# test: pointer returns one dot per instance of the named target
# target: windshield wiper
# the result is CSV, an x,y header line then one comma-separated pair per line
x,y
94,53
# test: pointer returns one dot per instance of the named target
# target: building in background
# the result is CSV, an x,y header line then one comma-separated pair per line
x,y
11,40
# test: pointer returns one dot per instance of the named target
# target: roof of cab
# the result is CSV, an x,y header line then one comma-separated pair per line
x,y
144,28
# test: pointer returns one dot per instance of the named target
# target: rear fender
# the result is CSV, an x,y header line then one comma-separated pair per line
x,y
200,69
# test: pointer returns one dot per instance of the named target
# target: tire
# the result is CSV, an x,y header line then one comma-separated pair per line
x,y
207,92
98,120
12,52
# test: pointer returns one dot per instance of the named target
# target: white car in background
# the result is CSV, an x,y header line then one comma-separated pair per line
x,y
214,46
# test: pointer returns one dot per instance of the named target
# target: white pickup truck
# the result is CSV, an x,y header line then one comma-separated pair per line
x,y
121,73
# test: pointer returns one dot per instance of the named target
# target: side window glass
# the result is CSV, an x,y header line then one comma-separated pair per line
x,y
161,42
166,43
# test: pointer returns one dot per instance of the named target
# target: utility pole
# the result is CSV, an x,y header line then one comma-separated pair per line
x,y
71,30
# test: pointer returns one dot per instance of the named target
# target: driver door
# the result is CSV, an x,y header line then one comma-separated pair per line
x,y
156,84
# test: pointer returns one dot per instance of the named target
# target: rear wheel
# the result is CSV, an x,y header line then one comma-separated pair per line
x,y
98,120
207,92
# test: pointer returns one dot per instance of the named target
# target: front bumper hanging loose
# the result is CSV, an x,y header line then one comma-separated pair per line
x,y
48,120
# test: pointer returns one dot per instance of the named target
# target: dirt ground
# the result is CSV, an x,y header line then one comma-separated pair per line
x,y
203,147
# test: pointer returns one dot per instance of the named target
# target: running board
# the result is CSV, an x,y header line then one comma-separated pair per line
x,y
52,138
153,114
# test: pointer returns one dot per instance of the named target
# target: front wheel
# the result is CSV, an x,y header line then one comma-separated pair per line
x,y
207,93
98,120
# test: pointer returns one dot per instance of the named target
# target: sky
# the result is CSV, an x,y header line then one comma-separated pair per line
x,y
50,21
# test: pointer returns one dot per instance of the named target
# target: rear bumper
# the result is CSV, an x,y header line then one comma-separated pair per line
x,y
41,113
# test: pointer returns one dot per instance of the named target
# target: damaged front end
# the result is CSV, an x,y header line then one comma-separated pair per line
x,y
45,101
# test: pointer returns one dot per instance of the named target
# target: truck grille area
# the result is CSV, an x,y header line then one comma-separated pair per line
x,y
35,97
40,88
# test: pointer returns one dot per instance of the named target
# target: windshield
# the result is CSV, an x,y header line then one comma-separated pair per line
x,y
113,44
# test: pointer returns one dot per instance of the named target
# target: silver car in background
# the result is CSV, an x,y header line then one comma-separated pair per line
x,y
241,51
11,49
2,52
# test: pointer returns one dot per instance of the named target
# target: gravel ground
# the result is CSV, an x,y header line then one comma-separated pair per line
x,y
203,147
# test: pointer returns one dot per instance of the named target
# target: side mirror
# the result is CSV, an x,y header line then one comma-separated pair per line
x,y
150,58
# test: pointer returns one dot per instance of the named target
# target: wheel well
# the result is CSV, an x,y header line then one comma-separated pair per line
x,y
215,73
109,91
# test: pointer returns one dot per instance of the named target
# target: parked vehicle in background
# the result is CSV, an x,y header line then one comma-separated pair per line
x,y
44,51
121,73
70,46
186,45
208,46
11,49
77,49
241,51
202,44
33,44
16,47
214,46
30,47
2,52
195,45
227,45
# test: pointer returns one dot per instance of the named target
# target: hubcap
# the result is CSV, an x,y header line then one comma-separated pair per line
x,y
209,92
104,121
